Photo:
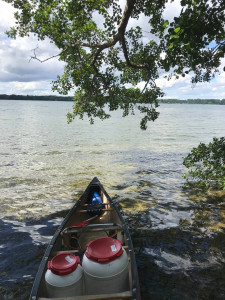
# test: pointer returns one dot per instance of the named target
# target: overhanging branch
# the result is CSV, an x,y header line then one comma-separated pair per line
x,y
119,37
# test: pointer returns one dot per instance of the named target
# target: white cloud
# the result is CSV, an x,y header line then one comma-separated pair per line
x,y
173,82
26,88
19,74
15,63
7,19
183,89
172,10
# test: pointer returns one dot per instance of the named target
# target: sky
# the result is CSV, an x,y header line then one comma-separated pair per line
x,y
20,75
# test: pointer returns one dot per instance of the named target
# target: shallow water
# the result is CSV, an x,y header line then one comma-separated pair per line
x,y
45,164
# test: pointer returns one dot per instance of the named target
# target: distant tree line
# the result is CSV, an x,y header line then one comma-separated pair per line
x,y
70,98
193,101
31,97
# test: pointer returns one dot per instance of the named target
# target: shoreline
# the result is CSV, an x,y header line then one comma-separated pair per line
x,y
70,99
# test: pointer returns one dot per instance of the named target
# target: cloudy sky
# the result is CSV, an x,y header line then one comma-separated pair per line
x,y
19,75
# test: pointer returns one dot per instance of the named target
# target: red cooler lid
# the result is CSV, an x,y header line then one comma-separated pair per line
x,y
63,263
104,249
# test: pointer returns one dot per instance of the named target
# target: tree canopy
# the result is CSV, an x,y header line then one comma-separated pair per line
x,y
112,59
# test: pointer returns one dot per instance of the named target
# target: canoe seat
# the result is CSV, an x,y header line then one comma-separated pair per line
x,y
123,295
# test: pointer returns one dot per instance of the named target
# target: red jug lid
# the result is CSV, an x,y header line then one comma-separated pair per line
x,y
104,249
63,263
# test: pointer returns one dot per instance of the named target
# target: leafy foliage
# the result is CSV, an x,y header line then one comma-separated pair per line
x,y
110,63
206,164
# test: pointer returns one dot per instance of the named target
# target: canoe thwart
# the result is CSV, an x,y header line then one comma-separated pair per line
x,y
94,227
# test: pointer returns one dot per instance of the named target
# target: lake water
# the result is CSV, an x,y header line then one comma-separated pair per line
x,y
45,164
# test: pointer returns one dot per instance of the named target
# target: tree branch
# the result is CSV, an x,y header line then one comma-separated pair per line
x,y
100,47
126,55
44,60
118,37
104,46
126,16
215,49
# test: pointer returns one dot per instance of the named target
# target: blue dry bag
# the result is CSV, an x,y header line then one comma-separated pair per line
x,y
96,198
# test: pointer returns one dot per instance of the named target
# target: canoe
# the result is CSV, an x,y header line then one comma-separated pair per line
x,y
93,224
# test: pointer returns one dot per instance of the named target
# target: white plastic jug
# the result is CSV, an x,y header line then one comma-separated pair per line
x,y
105,265
64,276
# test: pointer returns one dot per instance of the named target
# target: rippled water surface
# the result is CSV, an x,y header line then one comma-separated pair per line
x,y
45,164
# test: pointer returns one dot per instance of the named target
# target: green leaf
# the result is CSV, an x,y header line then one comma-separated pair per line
x,y
177,29
165,23
173,36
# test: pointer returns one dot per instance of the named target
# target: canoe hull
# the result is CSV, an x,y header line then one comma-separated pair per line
x,y
105,221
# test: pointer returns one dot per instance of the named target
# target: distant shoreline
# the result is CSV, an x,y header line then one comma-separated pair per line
x,y
35,98
193,101
70,98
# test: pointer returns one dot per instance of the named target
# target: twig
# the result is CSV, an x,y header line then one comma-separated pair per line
x,y
44,60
